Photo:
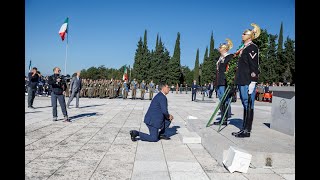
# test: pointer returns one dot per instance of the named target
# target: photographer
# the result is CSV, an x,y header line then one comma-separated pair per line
x,y
32,86
58,84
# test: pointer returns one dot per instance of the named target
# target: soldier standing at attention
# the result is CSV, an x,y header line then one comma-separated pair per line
x,y
151,90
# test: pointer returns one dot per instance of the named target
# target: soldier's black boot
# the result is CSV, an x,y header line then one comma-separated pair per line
x,y
243,124
248,126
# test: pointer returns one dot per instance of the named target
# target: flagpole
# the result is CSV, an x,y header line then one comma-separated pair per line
x,y
65,62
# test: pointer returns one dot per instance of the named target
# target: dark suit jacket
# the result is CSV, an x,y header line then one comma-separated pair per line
x,y
194,88
75,84
157,112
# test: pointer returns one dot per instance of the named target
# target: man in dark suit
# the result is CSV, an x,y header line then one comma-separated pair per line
x,y
32,86
194,88
75,87
157,117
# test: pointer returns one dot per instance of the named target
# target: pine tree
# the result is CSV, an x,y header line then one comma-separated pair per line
x,y
205,69
145,60
209,67
289,58
273,63
174,64
263,43
196,67
137,61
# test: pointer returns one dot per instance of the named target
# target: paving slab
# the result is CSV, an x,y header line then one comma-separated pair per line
x,y
96,145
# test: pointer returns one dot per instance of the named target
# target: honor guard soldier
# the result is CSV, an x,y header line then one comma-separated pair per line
x,y
221,82
247,76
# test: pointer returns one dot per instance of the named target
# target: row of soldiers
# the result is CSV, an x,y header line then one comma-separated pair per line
x,y
103,88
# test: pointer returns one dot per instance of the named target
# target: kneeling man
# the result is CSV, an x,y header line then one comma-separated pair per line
x,y
157,118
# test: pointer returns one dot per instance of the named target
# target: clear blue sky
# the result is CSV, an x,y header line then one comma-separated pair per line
x,y
106,32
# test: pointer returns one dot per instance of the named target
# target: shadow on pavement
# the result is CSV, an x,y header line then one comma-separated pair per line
x,y
90,106
267,124
82,115
33,112
171,131
236,122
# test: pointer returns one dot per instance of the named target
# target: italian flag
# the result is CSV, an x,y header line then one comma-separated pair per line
x,y
64,29
125,74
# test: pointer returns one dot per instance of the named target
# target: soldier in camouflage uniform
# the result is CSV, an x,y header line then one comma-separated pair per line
x,y
111,89
134,88
125,89
143,89
151,89
90,88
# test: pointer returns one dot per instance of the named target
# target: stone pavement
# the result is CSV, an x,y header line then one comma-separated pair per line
x,y
97,144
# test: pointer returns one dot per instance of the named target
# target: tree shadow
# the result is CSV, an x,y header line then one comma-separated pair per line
x,y
171,131
82,115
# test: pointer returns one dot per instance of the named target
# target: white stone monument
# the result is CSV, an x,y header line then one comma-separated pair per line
x,y
237,159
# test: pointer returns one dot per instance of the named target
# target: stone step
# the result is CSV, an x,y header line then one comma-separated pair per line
x,y
217,145
188,137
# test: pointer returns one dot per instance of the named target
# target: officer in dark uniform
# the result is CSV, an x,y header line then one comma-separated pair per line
x,y
221,82
247,77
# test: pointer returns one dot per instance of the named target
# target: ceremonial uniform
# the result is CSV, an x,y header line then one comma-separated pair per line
x,y
221,82
246,78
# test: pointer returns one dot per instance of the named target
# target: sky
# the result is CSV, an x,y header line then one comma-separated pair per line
x,y
106,32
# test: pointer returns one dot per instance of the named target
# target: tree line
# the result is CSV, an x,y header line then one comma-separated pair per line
x,y
277,62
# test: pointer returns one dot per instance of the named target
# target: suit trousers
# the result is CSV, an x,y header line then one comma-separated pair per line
x,y
74,94
154,132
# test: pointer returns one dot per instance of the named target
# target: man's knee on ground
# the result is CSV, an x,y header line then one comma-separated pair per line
x,y
154,139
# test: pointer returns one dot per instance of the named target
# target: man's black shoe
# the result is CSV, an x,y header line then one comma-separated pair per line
x,y
133,136
218,123
31,107
243,134
162,136
235,133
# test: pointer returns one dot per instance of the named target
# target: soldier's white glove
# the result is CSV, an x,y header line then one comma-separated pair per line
x,y
251,87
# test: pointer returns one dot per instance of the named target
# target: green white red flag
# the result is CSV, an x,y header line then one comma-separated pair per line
x,y
125,74
64,29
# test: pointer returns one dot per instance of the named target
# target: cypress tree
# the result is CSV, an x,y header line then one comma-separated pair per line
x,y
205,69
174,64
145,60
289,58
196,67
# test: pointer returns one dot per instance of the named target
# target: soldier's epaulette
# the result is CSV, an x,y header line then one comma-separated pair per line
x,y
254,44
